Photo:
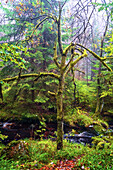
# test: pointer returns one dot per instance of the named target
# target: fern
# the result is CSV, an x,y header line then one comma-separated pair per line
x,y
41,99
3,136
102,141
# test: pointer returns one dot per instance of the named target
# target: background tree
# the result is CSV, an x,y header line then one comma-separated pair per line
x,y
21,22
100,101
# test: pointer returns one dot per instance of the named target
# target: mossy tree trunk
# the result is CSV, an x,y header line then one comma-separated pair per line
x,y
59,95
97,110
60,114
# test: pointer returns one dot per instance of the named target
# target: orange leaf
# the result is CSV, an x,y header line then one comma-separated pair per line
x,y
17,8
99,162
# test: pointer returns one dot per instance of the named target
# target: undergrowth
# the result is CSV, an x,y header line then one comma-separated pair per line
x,y
37,154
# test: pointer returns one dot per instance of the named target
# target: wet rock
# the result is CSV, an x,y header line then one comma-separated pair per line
x,y
71,138
7,125
84,137
86,134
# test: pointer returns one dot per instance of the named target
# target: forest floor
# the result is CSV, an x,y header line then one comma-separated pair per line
x,y
41,154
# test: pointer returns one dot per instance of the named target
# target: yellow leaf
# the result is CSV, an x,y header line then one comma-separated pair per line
x,y
100,162
95,45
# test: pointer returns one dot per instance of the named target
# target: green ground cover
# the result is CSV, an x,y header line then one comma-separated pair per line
x,y
34,155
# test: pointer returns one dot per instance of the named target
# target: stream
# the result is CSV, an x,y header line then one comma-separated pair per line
x,y
16,131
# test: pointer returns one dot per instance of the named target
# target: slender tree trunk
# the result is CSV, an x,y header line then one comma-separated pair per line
x,y
17,93
99,103
1,95
87,70
33,92
92,67
60,114
98,90
32,86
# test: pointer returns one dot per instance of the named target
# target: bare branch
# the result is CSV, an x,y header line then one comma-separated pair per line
x,y
71,59
64,4
96,56
46,18
73,63
39,24
85,27
79,58
41,74
104,34
68,48
52,93
44,74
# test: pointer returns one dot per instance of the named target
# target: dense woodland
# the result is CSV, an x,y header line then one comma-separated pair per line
x,y
56,84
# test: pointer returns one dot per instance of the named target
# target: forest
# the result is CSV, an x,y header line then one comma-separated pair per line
x,y
56,84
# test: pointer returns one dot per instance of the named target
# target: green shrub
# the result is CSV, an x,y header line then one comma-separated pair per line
x,y
100,142
16,150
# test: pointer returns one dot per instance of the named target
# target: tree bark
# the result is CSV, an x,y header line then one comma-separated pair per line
x,y
98,91
60,115
1,95
99,103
